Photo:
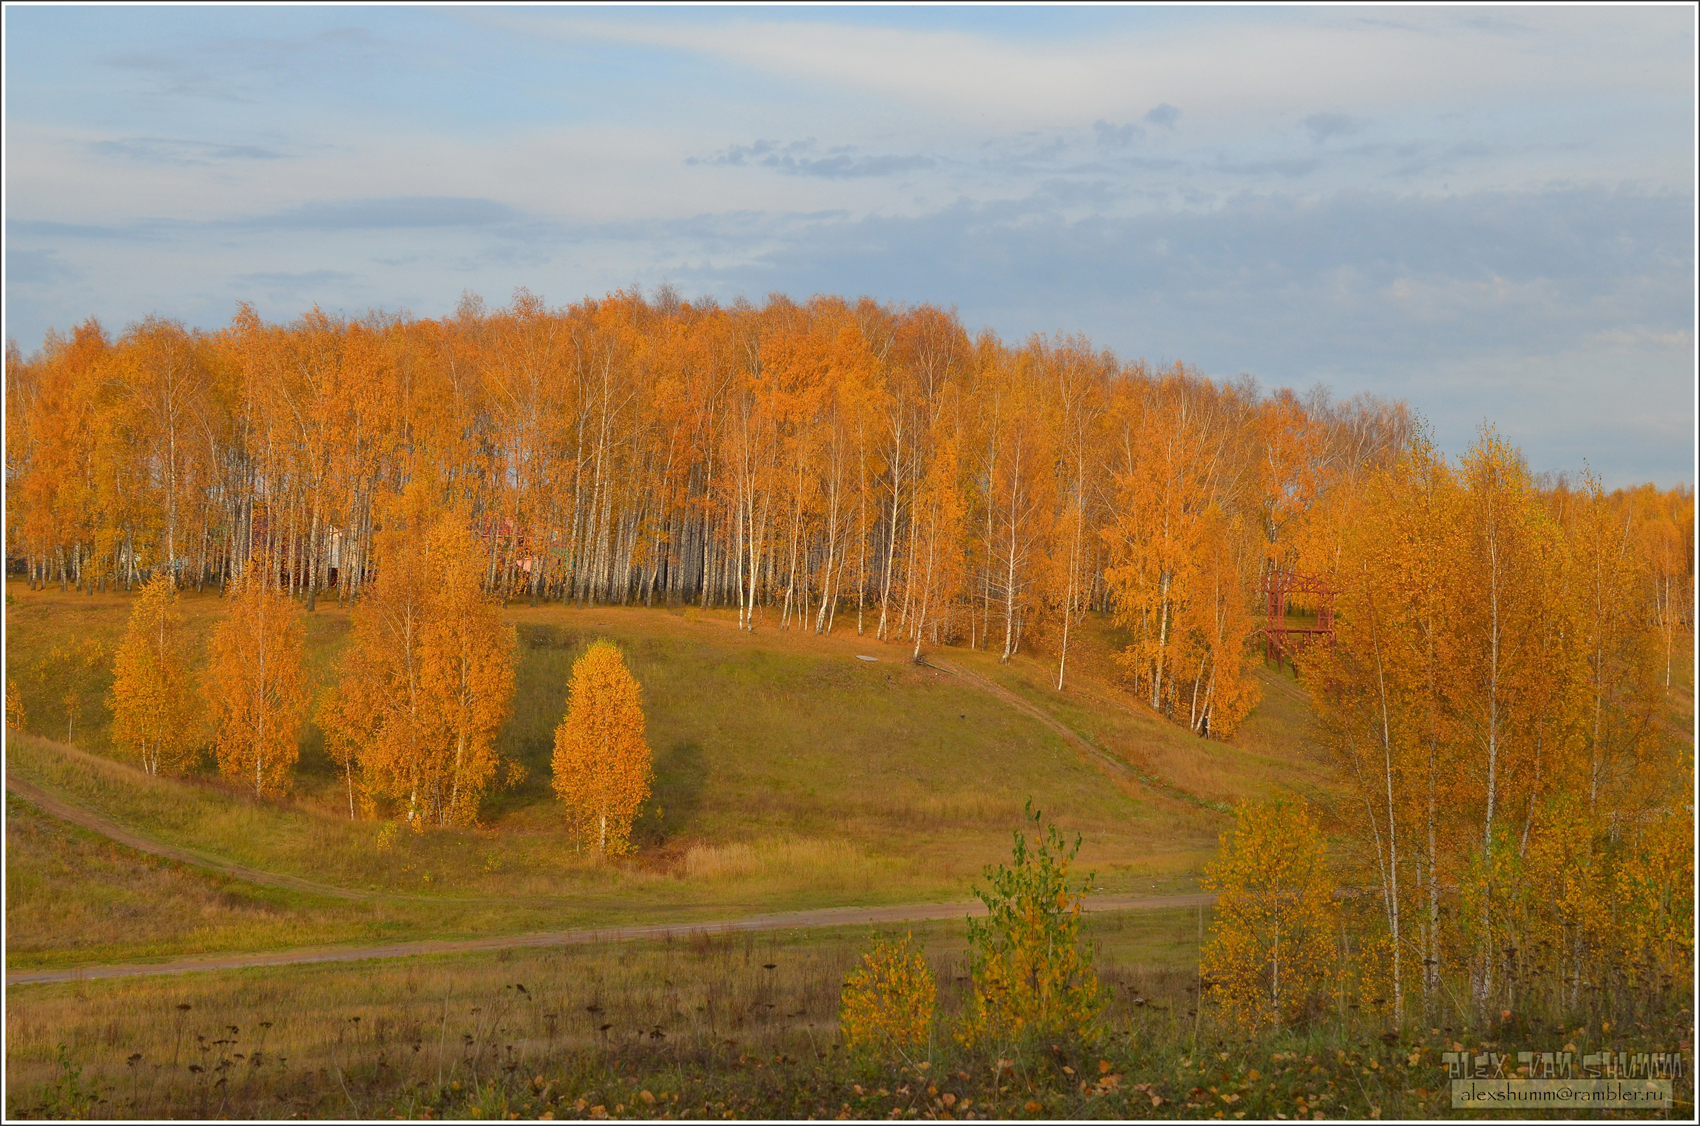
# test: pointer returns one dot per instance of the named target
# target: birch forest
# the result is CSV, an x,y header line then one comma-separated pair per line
x,y
826,466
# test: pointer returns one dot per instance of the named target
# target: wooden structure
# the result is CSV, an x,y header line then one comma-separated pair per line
x,y
1282,641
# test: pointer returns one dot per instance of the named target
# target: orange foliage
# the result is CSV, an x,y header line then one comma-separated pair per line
x,y
427,679
602,770
796,460
153,701
255,687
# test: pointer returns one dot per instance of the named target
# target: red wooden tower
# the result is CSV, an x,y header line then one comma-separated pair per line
x,y
1283,641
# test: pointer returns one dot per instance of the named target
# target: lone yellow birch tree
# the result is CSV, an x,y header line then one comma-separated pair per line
x,y
153,708
602,764
255,688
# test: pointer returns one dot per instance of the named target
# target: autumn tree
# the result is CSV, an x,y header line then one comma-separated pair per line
x,y
67,673
1081,390
936,568
379,714
467,669
1490,695
1271,942
602,771
255,687
163,378
153,702
1177,578
427,679
1383,692
1031,977
1667,544
334,713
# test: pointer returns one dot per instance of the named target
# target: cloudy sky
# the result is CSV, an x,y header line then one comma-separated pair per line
x,y
1487,212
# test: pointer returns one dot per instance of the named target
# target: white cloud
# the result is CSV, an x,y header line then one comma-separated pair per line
x,y
1251,72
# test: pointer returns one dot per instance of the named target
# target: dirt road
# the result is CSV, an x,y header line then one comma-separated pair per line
x,y
821,917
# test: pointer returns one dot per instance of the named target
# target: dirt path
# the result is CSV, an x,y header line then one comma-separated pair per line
x,y
1116,768
820,917
130,838
95,823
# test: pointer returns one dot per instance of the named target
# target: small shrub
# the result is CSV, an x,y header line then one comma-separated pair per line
x,y
889,1000
1031,978
67,1096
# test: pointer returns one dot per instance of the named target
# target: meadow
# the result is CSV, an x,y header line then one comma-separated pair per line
x,y
789,774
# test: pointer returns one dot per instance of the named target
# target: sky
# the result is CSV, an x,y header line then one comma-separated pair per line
x,y
1486,212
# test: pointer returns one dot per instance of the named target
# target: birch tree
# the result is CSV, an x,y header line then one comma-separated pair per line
x,y
602,765
256,689
153,702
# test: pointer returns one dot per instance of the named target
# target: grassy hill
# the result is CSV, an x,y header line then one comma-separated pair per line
x,y
789,774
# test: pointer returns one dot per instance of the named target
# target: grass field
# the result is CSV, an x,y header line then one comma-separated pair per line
x,y
709,1026
462,1021
789,775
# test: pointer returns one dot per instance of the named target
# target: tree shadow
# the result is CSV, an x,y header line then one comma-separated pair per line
x,y
680,776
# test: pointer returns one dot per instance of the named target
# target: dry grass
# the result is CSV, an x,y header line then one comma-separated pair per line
x,y
716,1026
782,859
789,775
374,1039
73,897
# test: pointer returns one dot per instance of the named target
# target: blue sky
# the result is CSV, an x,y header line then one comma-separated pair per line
x,y
1487,212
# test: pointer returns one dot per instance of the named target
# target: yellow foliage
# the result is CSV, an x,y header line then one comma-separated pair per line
x,y
1367,980
65,672
467,669
1579,896
1181,562
889,1000
1492,697
1655,888
602,763
14,705
1031,978
1271,941
427,680
153,706
255,688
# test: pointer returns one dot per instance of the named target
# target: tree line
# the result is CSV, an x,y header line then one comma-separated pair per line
x,y
802,462
1518,779
796,461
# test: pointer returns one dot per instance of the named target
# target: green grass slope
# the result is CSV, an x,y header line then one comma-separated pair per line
x,y
788,774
